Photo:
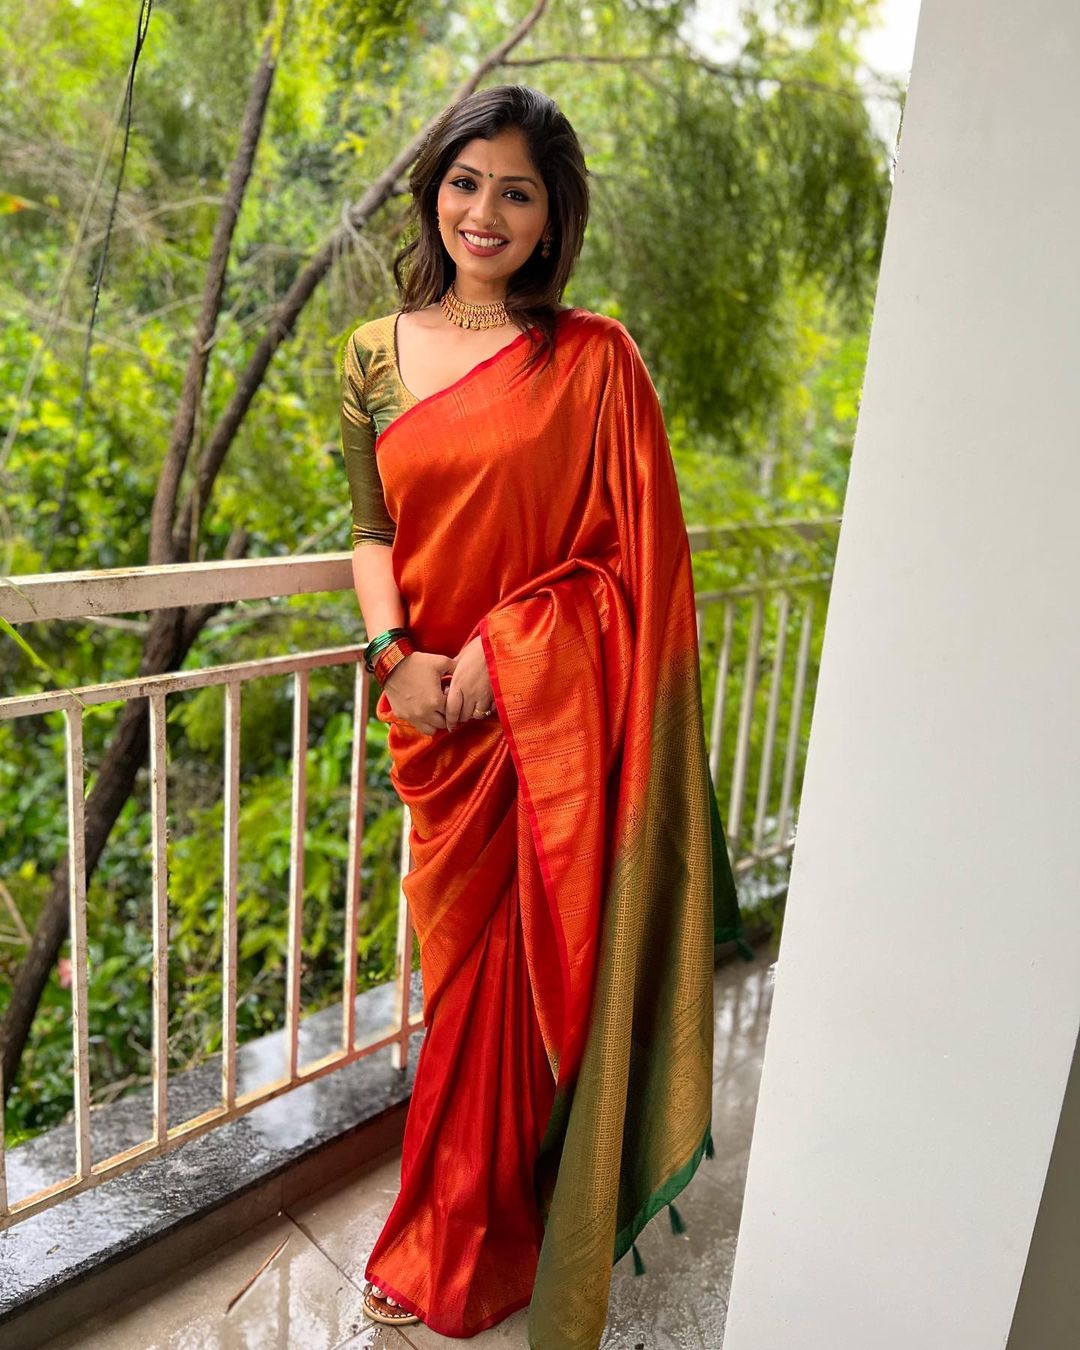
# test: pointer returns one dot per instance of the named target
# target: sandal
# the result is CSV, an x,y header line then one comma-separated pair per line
x,y
381,1308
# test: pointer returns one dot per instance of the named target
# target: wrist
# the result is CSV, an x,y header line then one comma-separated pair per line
x,y
383,642
389,674
390,658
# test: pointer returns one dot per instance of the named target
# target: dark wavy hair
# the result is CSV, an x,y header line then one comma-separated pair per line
x,y
535,289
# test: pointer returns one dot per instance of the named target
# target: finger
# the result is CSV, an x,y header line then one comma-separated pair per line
x,y
476,698
454,699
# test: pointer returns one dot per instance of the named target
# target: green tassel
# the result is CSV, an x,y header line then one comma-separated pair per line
x,y
639,1264
677,1225
710,1152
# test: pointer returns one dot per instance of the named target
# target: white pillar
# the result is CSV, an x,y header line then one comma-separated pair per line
x,y
927,996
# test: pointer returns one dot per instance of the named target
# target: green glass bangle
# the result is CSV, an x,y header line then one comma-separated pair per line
x,y
383,640
380,642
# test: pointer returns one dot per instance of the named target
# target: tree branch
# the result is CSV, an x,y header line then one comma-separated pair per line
x,y
300,292
183,431
740,75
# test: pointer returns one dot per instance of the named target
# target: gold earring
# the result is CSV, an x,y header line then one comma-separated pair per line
x,y
545,252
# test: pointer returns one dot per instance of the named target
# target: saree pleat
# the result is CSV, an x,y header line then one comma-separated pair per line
x,y
568,869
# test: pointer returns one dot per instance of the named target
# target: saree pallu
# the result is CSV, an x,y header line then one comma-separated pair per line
x,y
569,875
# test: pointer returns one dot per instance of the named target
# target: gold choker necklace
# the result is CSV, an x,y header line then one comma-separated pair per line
x,y
468,315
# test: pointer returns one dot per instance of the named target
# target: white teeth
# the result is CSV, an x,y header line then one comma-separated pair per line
x,y
482,240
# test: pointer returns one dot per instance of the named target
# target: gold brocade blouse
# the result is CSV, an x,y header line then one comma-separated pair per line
x,y
372,395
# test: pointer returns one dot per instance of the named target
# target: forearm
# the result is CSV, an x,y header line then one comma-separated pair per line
x,y
376,590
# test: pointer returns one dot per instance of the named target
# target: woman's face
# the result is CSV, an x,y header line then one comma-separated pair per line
x,y
492,194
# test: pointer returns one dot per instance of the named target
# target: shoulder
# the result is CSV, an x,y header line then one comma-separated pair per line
x,y
602,331
370,337
609,344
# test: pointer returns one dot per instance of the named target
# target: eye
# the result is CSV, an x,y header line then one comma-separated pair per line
x,y
468,182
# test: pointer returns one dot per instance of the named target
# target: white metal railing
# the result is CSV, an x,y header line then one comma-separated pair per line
x,y
784,590
87,594
156,688
792,600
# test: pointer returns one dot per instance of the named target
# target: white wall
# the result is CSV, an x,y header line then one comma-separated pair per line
x,y
927,997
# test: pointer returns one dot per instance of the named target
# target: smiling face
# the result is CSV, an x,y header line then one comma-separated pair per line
x,y
493,207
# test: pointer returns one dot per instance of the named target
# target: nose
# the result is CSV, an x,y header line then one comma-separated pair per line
x,y
484,208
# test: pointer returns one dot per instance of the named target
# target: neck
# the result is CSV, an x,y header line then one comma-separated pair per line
x,y
479,292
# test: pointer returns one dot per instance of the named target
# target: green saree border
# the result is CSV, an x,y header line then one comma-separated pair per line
x,y
626,1236
727,916
727,927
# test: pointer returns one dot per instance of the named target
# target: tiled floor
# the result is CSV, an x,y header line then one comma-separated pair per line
x,y
308,1296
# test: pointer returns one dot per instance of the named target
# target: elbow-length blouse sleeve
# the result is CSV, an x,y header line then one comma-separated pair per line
x,y
371,521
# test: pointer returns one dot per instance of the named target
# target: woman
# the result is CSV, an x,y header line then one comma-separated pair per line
x,y
521,564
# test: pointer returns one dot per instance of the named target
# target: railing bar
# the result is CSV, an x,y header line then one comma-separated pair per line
x,y
802,662
132,590
789,583
296,870
746,711
265,667
705,538
160,915
716,726
749,860
357,773
776,680
180,682
403,957
128,590
76,811
230,880
97,594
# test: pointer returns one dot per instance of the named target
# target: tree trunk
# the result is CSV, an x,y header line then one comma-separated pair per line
x,y
183,430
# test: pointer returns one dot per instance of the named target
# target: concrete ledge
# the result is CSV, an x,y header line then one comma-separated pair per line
x,y
74,1259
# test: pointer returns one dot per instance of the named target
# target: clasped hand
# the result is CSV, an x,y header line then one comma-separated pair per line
x,y
415,693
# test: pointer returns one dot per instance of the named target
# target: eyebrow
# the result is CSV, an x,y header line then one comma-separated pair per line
x,y
506,178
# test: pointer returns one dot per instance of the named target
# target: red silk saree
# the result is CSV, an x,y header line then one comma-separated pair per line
x,y
569,874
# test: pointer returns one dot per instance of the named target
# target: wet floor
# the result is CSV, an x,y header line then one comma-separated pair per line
x,y
308,1295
